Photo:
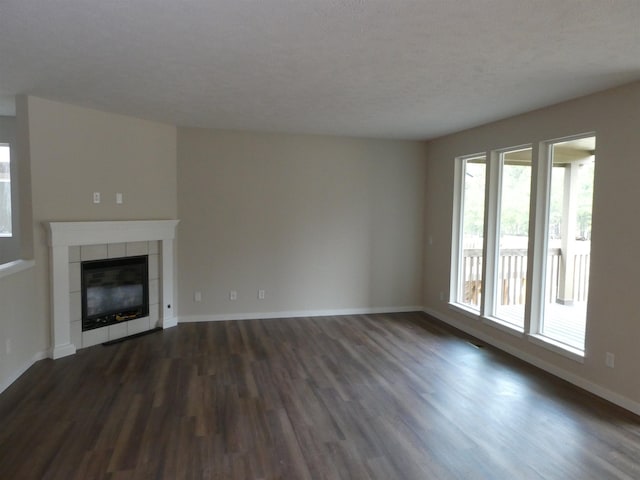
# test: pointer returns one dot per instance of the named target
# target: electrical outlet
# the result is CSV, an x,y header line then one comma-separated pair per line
x,y
119,198
610,360
233,295
8,346
442,296
96,197
261,294
197,296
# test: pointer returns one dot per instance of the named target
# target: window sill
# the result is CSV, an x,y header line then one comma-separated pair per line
x,y
16,266
492,321
464,310
504,326
557,347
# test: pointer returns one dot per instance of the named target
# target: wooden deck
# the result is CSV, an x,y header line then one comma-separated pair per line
x,y
562,323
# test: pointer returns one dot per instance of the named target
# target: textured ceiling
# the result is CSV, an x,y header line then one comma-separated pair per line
x,y
375,68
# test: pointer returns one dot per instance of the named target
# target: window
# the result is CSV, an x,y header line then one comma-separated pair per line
x,y
513,236
568,219
473,179
16,250
5,191
522,253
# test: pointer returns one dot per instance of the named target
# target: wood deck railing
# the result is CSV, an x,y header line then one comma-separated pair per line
x,y
512,274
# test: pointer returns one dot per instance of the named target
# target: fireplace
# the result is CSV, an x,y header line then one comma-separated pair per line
x,y
114,290
72,243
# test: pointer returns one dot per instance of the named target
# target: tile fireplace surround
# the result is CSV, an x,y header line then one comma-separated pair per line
x,y
120,238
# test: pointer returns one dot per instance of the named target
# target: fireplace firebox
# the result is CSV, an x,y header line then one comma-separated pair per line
x,y
114,291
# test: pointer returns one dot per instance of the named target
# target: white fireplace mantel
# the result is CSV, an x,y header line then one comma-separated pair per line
x,y
63,235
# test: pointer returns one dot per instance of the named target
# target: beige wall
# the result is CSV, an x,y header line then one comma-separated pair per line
x,y
18,318
18,324
77,151
320,223
613,312
74,152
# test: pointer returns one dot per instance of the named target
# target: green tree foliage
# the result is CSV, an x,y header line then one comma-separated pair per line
x,y
516,195
474,184
516,188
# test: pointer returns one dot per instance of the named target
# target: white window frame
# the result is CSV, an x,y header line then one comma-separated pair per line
x,y
541,243
492,237
11,186
541,168
457,231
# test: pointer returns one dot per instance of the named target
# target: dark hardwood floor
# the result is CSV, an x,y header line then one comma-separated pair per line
x,y
358,397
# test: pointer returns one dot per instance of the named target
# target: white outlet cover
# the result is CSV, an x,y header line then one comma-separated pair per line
x,y
610,360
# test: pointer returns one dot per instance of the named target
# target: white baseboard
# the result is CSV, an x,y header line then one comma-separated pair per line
x,y
297,313
18,373
169,322
572,378
63,351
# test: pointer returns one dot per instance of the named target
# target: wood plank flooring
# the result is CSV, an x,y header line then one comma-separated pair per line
x,y
396,396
